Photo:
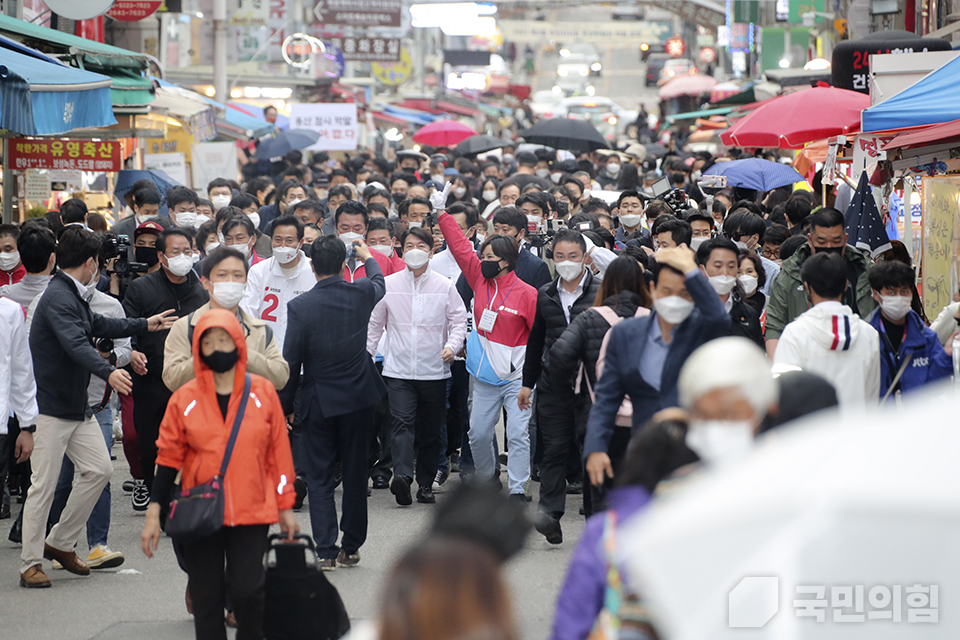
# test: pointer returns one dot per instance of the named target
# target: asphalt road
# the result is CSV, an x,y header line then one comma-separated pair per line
x,y
144,598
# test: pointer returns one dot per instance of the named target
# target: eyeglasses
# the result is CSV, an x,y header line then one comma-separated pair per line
x,y
771,254
177,252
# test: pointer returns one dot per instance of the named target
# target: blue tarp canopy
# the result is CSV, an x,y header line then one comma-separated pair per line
x,y
40,97
932,100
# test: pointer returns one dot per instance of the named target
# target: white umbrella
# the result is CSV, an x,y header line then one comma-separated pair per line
x,y
866,506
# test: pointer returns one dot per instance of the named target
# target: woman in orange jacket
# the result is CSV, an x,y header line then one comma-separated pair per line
x,y
258,485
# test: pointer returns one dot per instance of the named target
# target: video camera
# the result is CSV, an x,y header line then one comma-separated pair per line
x,y
118,248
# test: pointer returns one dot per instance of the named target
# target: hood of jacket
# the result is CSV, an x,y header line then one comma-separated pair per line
x,y
832,326
794,263
227,321
624,303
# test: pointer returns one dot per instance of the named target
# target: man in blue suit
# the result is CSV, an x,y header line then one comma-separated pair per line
x,y
327,335
644,355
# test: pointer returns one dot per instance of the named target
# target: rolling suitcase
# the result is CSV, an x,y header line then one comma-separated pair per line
x,y
301,604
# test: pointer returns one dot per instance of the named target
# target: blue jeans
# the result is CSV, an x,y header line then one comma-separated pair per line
x,y
488,400
98,524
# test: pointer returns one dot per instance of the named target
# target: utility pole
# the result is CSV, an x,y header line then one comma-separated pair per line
x,y
220,50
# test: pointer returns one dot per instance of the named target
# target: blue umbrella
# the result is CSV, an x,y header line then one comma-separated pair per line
x,y
864,224
126,178
285,142
755,173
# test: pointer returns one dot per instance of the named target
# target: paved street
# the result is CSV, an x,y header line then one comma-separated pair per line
x,y
144,598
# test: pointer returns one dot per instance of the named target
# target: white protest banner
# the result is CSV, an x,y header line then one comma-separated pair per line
x,y
173,164
213,160
66,180
335,122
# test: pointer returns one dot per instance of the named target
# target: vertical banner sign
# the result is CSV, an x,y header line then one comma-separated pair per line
x,y
941,242
213,160
336,124
173,164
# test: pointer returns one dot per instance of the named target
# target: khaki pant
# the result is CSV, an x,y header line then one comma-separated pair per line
x,y
83,443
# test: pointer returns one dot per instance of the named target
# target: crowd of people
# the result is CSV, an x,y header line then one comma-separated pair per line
x,y
384,317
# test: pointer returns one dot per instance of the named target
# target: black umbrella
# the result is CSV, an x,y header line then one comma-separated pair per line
x,y
479,144
565,133
285,142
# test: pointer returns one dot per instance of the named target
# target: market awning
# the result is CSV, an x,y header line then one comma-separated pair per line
x,y
693,115
460,110
933,100
125,68
413,116
38,97
945,132
179,105
386,118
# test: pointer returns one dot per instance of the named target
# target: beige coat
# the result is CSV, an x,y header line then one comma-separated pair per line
x,y
263,355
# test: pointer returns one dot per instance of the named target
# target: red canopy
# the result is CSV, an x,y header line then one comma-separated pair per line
x,y
792,120
443,133
944,132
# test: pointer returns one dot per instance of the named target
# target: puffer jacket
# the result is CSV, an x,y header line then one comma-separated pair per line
x,y
550,324
788,300
581,342
745,321
194,435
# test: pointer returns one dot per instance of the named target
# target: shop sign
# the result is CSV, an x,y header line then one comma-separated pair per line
x,y
359,13
335,122
86,155
133,10
362,49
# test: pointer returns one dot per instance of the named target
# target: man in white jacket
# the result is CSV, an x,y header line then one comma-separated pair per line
x,y
426,323
829,339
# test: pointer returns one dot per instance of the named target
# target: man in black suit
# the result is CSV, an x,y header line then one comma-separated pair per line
x,y
327,335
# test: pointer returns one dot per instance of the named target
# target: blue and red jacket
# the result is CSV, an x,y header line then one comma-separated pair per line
x,y
928,363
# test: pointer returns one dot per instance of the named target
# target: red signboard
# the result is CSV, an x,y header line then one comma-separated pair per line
x,y
133,10
85,155
675,46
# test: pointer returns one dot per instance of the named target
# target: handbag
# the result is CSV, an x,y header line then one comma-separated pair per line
x,y
198,512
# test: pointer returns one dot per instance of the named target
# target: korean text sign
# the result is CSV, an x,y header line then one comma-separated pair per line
x,y
86,155
336,124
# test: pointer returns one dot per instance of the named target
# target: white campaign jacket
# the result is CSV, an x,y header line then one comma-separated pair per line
x,y
831,341
268,291
421,317
18,388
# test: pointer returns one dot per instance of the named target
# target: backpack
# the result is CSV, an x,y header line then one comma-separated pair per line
x,y
625,412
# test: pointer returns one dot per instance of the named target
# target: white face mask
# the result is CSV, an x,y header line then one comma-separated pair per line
x,y
416,258
142,218
437,177
631,220
9,261
585,195
490,195
749,284
722,284
242,248
385,249
348,238
196,257
534,222
481,237
696,242
460,191
569,270
555,177
896,307
255,219
92,285
673,309
220,201
507,159
285,255
290,203
543,173
180,265
742,246
414,224
720,441
200,221
613,170
228,294
185,219
210,247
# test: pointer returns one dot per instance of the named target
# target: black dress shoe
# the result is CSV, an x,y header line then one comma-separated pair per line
x,y
381,482
425,495
548,527
16,532
574,488
300,487
4,511
400,488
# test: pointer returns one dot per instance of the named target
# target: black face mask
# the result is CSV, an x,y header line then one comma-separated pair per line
x,y
829,249
146,255
490,269
398,198
221,361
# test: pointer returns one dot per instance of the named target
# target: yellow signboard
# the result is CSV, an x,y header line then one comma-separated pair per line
x,y
941,242
178,140
394,74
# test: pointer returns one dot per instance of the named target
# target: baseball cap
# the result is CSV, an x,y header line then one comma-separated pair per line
x,y
148,227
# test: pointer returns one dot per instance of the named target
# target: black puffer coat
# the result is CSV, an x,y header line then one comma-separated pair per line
x,y
581,343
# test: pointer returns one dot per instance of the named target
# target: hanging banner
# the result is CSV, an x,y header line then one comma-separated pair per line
x,y
86,155
133,10
213,160
173,164
608,32
941,242
363,49
335,122
867,153
359,13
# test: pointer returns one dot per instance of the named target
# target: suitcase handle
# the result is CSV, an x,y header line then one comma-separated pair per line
x,y
278,540
282,538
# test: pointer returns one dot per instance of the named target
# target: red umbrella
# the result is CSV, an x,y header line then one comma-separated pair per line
x,y
791,121
443,133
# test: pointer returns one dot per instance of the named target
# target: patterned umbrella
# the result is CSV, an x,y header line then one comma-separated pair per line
x,y
755,173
